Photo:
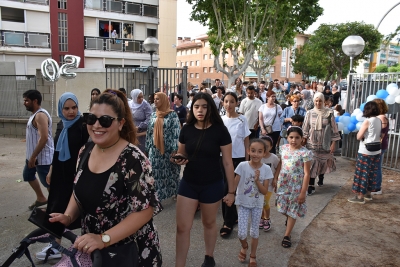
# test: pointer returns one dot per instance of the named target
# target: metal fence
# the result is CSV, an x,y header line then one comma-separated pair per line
x,y
361,86
12,87
149,80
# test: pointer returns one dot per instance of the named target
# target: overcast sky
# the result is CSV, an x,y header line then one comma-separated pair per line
x,y
335,11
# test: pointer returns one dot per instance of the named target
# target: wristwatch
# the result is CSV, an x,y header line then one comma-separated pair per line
x,y
106,239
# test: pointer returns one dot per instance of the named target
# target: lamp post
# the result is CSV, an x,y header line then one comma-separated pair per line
x,y
151,45
352,46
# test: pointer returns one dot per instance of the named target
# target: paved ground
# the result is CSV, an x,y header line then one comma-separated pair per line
x,y
15,197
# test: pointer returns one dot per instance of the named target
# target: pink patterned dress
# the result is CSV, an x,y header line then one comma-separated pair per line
x,y
290,181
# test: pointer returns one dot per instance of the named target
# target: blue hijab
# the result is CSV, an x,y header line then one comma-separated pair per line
x,y
62,143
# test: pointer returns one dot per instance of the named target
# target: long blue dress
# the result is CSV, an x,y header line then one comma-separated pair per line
x,y
141,118
166,173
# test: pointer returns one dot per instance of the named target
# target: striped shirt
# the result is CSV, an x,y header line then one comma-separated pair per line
x,y
45,156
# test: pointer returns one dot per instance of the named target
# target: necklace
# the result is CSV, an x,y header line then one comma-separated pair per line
x,y
104,148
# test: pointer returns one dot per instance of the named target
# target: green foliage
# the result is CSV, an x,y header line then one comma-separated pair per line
x,y
248,26
381,68
325,47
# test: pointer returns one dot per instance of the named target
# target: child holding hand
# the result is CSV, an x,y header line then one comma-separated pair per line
x,y
252,179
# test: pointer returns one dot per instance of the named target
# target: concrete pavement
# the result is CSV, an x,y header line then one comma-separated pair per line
x,y
16,196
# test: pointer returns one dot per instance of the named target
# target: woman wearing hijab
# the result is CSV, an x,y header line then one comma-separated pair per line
x,y
161,141
320,133
307,101
141,112
71,135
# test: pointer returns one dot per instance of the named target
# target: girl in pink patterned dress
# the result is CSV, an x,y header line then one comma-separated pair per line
x,y
291,180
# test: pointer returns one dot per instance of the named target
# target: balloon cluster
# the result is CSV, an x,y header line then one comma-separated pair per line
x,y
352,122
51,72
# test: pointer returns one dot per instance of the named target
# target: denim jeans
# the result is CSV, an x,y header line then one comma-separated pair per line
x,y
379,176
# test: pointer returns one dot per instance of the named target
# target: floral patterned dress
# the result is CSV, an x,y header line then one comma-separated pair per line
x,y
126,191
166,173
290,181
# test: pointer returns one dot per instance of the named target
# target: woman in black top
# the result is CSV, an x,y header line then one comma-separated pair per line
x,y
201,141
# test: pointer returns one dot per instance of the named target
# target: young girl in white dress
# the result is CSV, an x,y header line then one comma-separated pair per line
x,y
252,179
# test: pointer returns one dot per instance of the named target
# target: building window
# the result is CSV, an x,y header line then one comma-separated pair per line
x,y
191,63
205,69
12,14
207,44
193,51
191,75
62,61
178,53
283,69
152,32
205,56
107,27
211,56
284,54
62,32
292,74
187,63
62,4
197,50
197,75
272,69
132,8
197,62
188,52
150,11
182,64
177,64
211,69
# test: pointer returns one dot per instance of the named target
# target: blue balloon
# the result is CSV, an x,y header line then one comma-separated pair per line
x,y
346,130
345,120
353,119
351,127
337,118
341,118
347,114
358,125
382,94
362,106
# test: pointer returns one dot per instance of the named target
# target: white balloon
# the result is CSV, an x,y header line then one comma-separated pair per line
x,y
340,126
356,111
397,99
393,90
371,97
390,100
390,85
360,117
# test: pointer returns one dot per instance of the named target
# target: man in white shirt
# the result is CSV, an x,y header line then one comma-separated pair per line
x,y
249,108
263,93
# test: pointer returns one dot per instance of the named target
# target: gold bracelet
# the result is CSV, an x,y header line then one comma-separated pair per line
x,y
70,218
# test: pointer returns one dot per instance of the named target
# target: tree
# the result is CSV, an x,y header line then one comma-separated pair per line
x,y
327,43
239,27
381,68
262,61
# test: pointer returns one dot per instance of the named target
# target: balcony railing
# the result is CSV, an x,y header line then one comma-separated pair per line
x,y
113,44
123,7
40,2
25,39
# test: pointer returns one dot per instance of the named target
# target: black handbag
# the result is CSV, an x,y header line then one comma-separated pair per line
x,y
126,255
373,147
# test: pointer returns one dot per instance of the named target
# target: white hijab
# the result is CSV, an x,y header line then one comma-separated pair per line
x,y
134,104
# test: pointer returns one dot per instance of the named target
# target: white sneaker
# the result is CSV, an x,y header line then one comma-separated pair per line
x,y
54,253
377,193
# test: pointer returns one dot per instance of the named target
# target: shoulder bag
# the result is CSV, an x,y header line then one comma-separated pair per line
x,y
268,128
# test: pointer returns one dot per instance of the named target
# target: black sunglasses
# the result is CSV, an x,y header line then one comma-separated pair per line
x,y
105,120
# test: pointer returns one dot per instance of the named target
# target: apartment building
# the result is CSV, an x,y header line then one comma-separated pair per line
x,y
197,56
388,54
102,32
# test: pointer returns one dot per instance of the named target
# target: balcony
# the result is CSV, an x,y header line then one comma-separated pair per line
x,y
40,2
111,44
123,7
25,39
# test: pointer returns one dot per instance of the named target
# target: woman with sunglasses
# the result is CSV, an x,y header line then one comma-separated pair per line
x,y
161,141
71,135
286,117
201,142
114,189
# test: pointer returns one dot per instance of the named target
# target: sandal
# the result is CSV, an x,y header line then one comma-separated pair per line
x,y
36,204
242,256
286,242
225,231
252,263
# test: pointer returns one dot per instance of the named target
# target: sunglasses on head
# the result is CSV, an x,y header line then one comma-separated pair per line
x,y
105,120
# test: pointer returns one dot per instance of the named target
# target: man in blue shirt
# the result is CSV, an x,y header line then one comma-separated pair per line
x,y
180,109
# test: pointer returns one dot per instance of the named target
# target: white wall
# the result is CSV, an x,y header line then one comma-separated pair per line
x,y
140,31
93,63
33,63
19,63
37,21
13,26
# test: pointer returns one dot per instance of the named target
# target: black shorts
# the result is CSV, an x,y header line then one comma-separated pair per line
x,y
206,194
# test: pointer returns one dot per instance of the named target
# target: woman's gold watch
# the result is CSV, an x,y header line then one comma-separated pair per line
x,y
106,239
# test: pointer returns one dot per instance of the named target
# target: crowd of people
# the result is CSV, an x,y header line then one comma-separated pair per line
x,y
238,146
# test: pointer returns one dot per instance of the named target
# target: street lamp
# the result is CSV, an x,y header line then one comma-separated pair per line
x,y
151,45
352,46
